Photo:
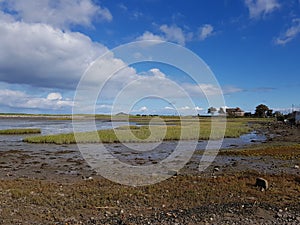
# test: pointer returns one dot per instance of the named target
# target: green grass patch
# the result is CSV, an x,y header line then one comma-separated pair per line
x,y
188,130
20,131
283,152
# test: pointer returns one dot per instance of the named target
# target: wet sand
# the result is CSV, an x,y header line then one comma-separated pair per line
x,y
50,161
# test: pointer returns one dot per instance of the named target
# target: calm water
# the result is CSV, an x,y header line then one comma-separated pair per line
x,y
49,126
65,126
53,126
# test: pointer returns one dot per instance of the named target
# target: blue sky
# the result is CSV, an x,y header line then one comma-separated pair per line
x,y
251,46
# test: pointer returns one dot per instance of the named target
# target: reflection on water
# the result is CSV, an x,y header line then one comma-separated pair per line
x,y
53,126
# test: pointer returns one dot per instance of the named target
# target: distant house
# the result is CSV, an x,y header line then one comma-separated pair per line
x,y
235,112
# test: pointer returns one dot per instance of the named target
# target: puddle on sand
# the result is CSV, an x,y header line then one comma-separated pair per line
x,y
243,140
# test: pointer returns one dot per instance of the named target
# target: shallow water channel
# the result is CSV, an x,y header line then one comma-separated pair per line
x,y
65,126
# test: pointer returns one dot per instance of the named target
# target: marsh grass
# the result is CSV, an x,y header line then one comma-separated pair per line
x,y
283,152
20,131
187,130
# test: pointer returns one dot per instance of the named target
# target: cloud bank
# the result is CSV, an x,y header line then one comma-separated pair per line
x,y
19,99
40,55
59,13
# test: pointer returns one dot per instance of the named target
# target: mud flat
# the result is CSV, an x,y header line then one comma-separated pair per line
x,y
53,184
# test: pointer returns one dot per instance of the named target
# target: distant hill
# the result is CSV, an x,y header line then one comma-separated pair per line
x,y
122,114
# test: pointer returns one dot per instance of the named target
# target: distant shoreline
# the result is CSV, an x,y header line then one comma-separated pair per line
x,y
121,116
37,116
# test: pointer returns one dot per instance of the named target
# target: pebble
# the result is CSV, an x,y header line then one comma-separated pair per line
x,y
262,183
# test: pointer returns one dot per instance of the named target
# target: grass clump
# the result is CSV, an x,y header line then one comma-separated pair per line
x,y
20,131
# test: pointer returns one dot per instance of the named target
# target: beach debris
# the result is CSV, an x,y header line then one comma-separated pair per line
x,y
296,166
87,178
216,169
262,183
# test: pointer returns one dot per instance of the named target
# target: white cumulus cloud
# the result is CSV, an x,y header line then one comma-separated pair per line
x,y
148,36
259,8
143,109
157,73
199,108
205,31
54,96
173,33
290,34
